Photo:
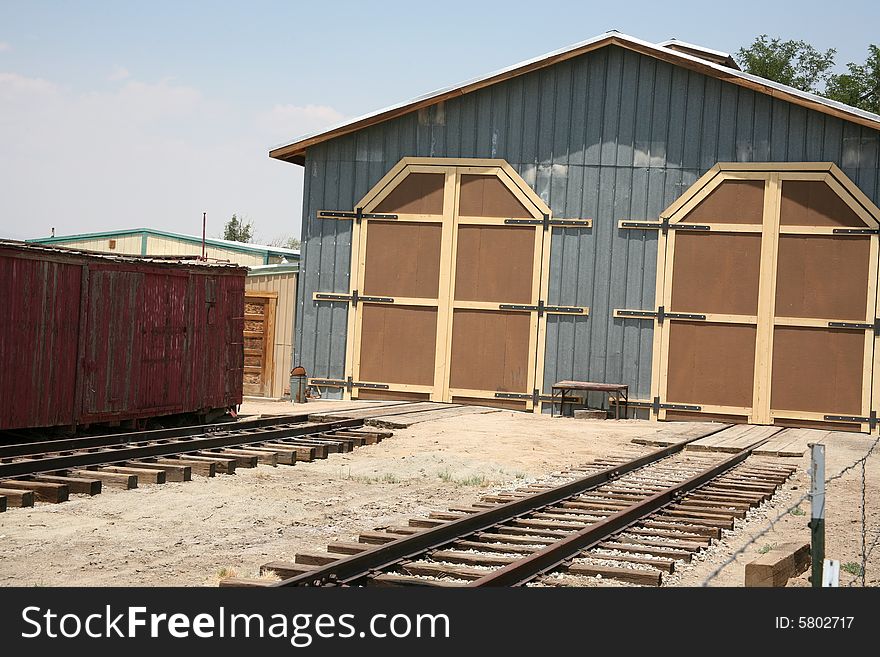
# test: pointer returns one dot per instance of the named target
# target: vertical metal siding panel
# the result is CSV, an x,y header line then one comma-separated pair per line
x,y
611,109
797,133
868,161
693,117
815,137
483,127
596,92
676,123
709,124
745,125
727,119
779,131
763,108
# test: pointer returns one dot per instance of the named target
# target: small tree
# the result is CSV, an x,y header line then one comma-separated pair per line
x,y
795,63
286,241
238,230
860,87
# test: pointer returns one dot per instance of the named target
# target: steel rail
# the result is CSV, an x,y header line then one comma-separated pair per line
x,y
546,559
352,569
182,445
108,440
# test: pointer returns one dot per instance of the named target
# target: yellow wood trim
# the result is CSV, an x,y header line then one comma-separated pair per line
x,y
690,200
800,175
664,287
543,293
526,189
733,228
861,212
445,291
775,166
781,414
854,190
260,294
370,200
700,183
487,394
766,301
453,263
719,318
816,322
482,221
871,313
810,230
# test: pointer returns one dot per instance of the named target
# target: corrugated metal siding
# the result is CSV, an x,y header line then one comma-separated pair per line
x,y
125,244
609,135
285,312
154,339
169,246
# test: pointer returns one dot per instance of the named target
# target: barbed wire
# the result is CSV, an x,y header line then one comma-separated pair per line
x,y
755,537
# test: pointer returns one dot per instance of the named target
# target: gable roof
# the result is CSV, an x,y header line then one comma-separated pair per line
x,y
211,241
295,151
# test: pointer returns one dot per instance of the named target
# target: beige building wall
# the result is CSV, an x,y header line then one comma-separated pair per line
x,y
125,245
169,246
284,284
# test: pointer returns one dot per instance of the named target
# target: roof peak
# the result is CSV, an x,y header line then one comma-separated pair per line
x,y
678,53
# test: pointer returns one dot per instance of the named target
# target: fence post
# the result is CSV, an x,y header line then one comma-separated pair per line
x,y
817,515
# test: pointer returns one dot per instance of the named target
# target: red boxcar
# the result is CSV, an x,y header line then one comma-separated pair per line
x,y
92,338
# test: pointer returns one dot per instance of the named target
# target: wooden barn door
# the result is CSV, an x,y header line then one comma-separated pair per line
x,y
493,323
447,286
769,301
259,342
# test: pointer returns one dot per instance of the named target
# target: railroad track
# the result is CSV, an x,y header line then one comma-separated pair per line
x,y
624,519
50,471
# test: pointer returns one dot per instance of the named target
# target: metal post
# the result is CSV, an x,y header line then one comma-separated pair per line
x,y
204,227
817,508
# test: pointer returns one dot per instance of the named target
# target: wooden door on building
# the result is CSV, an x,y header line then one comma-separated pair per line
x,y
259,342
769,285
449,275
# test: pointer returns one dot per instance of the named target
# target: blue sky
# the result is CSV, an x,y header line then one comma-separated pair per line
x,y
128,114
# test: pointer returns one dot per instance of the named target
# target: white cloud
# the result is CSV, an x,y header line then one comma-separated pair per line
x,y
5,46
118,73
286,122
144,154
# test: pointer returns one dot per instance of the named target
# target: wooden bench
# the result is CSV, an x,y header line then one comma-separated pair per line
x,y
618,394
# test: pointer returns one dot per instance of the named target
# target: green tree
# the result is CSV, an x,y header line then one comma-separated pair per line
x,y
860,86
285,240
238,230
795,63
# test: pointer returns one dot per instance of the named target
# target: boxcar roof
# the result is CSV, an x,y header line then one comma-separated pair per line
x,y
295,151
56,252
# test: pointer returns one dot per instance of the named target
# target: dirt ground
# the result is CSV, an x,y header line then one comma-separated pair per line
x,y
188,534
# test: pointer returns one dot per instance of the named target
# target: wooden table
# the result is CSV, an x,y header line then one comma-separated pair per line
x,y
619,392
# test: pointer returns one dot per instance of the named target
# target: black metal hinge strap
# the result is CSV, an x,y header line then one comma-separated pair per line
x,y
856,231
871,420
354,297
541,308
656,405
663,225
357,215
660,314
536,396
546,222
347,383
858,325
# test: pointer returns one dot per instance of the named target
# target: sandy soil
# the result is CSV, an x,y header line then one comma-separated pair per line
x,y
189,533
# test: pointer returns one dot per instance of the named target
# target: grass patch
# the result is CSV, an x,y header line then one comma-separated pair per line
x,y
766,548
471,480
386,478
852,568
225,573
798,511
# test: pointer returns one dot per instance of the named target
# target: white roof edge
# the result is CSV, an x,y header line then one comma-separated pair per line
x,y
694,46
870,116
